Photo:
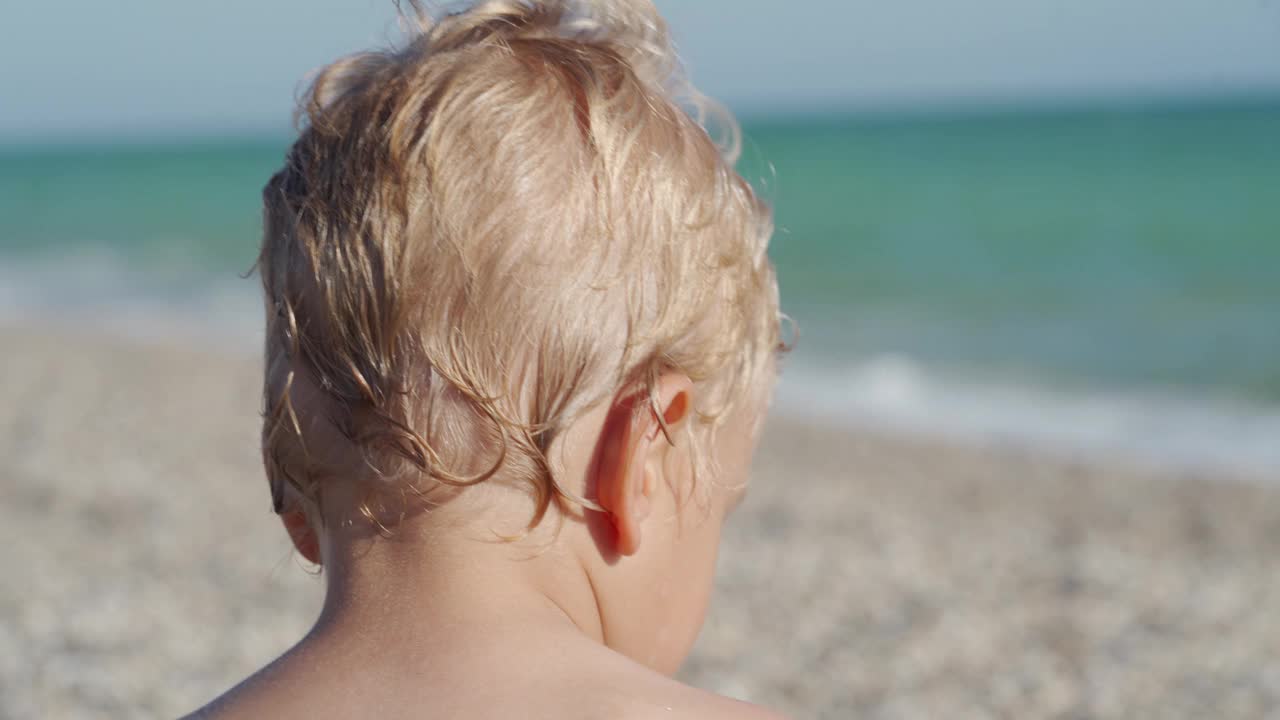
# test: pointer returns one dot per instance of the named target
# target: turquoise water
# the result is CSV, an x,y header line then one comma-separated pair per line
x,y
1100,253
1119,248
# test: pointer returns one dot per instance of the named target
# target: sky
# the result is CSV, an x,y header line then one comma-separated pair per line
x,y
139,67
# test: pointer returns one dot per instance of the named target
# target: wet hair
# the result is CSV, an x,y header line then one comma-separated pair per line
x,y
487,231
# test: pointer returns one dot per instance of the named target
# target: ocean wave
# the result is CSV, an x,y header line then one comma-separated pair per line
x,y
1159,429
221,311
103,293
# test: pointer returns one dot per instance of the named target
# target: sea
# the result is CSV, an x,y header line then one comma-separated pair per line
x,y
1085,281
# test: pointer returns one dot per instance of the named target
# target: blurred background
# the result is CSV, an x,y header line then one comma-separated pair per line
x,y
1022,463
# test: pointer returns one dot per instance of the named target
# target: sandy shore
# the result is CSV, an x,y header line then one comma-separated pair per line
x,y
866,576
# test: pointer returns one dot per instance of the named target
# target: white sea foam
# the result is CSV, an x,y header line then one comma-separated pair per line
x,y
1165,430
101,293
222,312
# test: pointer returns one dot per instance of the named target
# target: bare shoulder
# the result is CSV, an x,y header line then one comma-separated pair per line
x,y
681,702
599,684
747,711
718,707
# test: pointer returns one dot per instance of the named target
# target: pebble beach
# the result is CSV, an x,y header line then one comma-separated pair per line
x,y
868,575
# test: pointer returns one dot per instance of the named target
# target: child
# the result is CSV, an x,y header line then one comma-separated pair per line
x,y
521,331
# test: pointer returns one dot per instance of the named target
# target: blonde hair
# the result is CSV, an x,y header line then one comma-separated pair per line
x,y
481,235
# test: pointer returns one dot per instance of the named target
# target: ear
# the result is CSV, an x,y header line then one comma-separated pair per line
x,y
300,532
634,433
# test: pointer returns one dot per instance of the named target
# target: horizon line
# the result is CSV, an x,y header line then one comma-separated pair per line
x,y
747,113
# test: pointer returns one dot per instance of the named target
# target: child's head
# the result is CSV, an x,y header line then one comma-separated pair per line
x,y
505,269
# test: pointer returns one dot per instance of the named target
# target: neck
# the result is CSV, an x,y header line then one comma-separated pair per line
x,y
431,586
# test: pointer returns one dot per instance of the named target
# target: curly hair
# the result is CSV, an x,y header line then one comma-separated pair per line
x,y
485,232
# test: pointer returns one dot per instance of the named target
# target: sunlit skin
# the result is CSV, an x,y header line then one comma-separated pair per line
x,y
586,617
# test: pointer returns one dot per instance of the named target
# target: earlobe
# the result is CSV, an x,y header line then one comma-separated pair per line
x,y
303,537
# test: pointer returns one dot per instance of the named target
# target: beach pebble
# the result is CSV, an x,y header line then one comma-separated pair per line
x,y
866,576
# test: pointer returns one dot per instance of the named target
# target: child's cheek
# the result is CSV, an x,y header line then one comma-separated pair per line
x,y
687,591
